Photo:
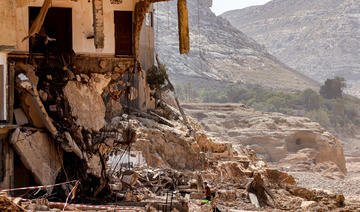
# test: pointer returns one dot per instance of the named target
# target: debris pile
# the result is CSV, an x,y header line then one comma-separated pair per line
x,y
291,143
69,131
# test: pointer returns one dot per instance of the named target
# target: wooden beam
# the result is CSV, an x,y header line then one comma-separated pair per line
x,y
183,23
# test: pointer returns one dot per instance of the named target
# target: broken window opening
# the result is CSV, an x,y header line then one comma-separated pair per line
x,y
123,33
55,35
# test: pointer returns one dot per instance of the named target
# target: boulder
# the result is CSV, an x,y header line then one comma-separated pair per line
x,y
86,105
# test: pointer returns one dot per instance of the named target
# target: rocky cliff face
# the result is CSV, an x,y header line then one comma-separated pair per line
x,y
219,53
293,143
317,38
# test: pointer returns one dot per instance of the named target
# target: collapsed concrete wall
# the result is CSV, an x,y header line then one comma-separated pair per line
x,y
39,154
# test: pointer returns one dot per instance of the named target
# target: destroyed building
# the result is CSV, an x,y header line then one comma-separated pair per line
x,y
57,60
75,96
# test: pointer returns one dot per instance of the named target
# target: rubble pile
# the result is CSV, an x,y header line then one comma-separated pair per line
x,y
291,143
68,133
161,181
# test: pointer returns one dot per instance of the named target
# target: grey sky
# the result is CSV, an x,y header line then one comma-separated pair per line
x,y
220,6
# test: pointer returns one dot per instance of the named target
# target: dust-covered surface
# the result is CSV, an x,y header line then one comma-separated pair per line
x,y
293,143
234,122
138,157
347,186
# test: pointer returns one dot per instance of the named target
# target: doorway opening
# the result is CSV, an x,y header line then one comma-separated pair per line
x,y
123,33
55,36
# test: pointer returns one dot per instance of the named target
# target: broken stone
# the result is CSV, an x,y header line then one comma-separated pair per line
x,y
20,117
129,178
258,188
109,141
32,105
116,187
39,154
7,205
99,82
86,105
102,64
85,77
113,109
254,200
280,178
43,95
71,146
29,71
306,205
94,165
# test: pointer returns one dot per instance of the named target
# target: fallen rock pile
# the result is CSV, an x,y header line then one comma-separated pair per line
x,y
161,181
140,157
293,143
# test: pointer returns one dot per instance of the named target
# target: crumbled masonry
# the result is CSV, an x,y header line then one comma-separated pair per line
x,y
142,157
90,128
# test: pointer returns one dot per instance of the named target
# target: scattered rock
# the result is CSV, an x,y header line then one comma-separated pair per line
x,y
94,165
294,143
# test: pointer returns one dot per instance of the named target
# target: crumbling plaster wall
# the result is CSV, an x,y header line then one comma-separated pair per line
x,y
8,32
82,23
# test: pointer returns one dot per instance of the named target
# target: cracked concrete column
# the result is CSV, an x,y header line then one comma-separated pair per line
x,y
98,15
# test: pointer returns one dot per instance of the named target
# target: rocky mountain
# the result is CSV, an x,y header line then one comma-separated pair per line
x,y
319,38
219,53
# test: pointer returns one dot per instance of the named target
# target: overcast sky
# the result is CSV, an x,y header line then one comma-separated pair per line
x,y
220,6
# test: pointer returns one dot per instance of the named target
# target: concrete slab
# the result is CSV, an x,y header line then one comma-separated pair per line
x,y
38,153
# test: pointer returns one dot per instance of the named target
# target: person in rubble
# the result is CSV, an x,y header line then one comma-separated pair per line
x,y
207,191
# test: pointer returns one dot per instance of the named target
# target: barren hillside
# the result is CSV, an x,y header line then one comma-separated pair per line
x,y
219,53
317,38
